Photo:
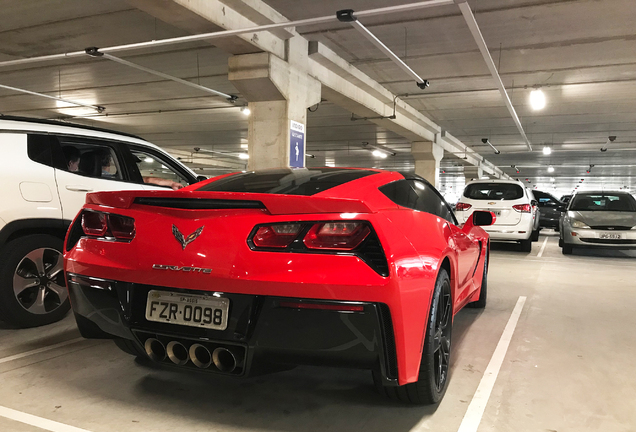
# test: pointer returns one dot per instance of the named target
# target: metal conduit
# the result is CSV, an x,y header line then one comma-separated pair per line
x,y
464,7
226,33
97,108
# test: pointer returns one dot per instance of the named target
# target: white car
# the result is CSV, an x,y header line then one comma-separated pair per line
x,y
46,170
512,203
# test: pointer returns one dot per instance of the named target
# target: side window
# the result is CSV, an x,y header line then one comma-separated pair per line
x,y
155,170
430,202
39,148
418,195
90,158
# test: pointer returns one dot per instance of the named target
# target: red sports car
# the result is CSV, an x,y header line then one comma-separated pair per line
x,y
264,270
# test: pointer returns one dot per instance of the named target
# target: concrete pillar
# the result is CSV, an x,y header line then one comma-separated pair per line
x,y
427,156
279,93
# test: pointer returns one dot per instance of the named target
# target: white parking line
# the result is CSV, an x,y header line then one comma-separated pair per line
x,y
545,242
39,422
39,350
475,411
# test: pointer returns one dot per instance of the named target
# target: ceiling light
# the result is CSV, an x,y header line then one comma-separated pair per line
x,y
537,99
550,169
245,110
547,150
148,160
379,154
243,156
551,179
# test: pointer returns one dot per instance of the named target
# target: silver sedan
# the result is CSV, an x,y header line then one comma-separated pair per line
x,y
599,219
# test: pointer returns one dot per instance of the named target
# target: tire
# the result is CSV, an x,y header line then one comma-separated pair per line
x,y
480,303
526,245
535,235
560,242
566,249
557,228
434,367
32,286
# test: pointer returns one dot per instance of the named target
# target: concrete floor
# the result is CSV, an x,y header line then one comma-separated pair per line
x,y
569,367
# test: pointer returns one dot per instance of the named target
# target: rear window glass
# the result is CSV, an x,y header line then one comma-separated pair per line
x,y
493,191
603,202
286,181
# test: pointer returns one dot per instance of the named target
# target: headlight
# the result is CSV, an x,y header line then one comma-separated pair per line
x,y
578,224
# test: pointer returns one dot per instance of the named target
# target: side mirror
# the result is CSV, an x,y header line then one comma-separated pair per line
x,y
479,218
201,178
535,203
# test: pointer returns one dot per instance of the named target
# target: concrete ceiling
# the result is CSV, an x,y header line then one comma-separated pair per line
x,y
582,53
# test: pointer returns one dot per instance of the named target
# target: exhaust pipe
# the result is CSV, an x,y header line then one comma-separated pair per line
x,y
177,353
155,349
224,359
200,356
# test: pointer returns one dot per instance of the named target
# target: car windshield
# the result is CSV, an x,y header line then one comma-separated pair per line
x,y
286,181
604,202
493,191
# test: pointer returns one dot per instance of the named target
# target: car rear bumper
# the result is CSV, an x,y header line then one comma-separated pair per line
x,y
262,331
592,238
508,233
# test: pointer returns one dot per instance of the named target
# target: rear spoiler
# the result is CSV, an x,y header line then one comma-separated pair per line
x,y
275,204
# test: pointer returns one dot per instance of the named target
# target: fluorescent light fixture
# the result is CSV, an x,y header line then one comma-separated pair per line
x,y
379,154
243,156
551,179
550,169
537,99
547,150
378,151
245,110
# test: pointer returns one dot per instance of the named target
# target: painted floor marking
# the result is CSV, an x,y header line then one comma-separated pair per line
x,y
545,242
39,422
477,406
39,350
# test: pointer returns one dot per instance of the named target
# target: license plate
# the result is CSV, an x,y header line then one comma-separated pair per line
x,y
187,309
496,212
610,236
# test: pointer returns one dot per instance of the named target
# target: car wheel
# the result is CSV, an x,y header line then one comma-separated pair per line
x,y
566,249
32,286
434,366
526,245
560,242
535,235
480,303
556,228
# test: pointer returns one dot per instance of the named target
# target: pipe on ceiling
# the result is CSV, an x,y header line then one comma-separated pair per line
x,y
97,108
464,7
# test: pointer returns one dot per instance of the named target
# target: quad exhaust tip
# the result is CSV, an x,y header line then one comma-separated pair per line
x,y
224,359
155,349
200,356
177,353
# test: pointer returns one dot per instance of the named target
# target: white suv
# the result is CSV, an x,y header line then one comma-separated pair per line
x,y
513,204
46,169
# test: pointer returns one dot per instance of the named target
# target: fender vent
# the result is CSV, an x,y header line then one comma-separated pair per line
x,y
389,341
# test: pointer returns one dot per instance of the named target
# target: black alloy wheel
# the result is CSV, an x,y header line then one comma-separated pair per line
x,y
32,286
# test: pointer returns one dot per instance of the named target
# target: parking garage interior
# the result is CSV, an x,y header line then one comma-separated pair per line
x,y
539,92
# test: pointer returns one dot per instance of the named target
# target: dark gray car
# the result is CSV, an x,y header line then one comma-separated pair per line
x,y
550,208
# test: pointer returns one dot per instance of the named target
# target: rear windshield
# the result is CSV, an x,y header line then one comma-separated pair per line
x,y
603,202
493,191
286,181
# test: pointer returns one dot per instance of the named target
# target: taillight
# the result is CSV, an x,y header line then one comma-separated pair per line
x,y
276,236
102,225
523,208
94,224
460,206
336,235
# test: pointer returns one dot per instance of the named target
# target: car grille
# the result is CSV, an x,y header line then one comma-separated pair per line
x,y
611,227
610,241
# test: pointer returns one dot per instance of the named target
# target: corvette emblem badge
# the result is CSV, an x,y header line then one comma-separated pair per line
x,y
185,240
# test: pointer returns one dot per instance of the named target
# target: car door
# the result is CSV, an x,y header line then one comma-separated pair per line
x,y
154,170
101,168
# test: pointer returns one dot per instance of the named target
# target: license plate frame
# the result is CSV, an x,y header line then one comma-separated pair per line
x,y
610,236
192,310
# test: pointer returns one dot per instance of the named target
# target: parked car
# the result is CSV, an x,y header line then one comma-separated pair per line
x,y
551,210
347,267
599,219
565,199
515,208
47,168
